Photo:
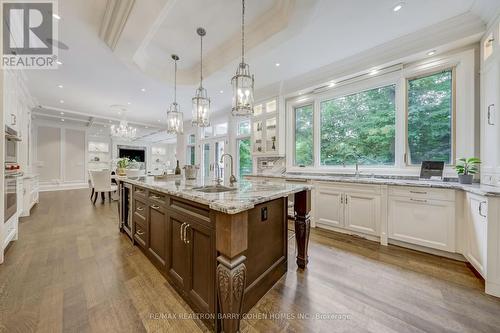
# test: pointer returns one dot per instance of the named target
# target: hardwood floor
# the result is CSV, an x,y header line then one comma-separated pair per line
x,y
72,271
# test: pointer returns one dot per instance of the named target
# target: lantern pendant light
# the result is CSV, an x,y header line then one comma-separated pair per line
x,y
243,81
175,121
201,101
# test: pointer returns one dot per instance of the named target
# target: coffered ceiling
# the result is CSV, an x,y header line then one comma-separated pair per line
x,y
119,50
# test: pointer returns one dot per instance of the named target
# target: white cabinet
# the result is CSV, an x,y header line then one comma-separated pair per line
x,y
268,129
416,216
29,194
476,231
351,207
490,91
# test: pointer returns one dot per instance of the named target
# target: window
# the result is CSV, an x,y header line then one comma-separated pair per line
x,y
207,131
359,128
192,139
304,135
190,155
221,129
430,110
244,127
244,157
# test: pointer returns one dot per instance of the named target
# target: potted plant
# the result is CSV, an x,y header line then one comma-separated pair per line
x,y
467,168
122,164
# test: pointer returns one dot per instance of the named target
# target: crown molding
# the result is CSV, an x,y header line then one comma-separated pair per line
x,y
114,20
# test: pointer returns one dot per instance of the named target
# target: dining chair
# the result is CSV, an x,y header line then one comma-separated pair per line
x,y
102,184
91,185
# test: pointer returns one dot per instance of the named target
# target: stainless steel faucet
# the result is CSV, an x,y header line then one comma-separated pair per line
x,y
218,180
232,179
357,164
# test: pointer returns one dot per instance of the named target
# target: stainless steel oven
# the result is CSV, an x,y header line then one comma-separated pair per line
x,y
10,195
11,140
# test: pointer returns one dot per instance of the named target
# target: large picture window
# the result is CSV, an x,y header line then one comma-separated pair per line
x,y
430,113
244,157
304,135
359,128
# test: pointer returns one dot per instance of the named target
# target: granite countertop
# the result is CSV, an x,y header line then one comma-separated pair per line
x,y
246,196
388,180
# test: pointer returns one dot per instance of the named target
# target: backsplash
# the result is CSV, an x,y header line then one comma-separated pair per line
x,y
275,165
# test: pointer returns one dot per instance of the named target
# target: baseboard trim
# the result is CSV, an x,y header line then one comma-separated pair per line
x,y
62,187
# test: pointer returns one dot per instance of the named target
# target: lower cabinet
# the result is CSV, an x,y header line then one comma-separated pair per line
x,y
419,219
476,218
351,207
157,233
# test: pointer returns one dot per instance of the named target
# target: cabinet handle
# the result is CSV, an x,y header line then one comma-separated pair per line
x,y
186,240
481,208
418,192
155,197
139,232
13,119
155,206
489,114
345,199
341,198
418,200
140,209
182,231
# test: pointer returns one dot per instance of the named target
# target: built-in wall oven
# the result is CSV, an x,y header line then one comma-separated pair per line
x,y
12,171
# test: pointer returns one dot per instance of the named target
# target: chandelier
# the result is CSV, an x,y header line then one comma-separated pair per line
x,y
201,101
123,131
175,122
243,81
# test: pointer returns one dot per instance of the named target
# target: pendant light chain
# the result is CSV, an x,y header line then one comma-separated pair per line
x,y
201,61
175,81
243,32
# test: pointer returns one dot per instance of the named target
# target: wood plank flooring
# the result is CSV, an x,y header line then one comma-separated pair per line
x,y
72,271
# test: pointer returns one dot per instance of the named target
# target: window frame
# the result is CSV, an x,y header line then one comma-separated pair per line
x,y
422,74
242,137
301,104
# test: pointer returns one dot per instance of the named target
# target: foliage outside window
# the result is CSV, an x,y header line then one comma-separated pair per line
x,y
359,128
304,138
191,155
244,127
244,157
430,101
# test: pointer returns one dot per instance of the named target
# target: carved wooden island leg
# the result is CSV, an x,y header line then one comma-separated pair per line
x,y
231,242
302,207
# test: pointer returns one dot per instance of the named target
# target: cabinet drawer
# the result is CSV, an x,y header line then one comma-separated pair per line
x,y
422,193
139,192
158,198
140,208
140,232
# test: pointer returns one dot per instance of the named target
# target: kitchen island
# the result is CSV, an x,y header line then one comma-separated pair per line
x,y
221,248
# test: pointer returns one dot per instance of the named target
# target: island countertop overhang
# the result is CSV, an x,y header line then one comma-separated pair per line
x,y
247,194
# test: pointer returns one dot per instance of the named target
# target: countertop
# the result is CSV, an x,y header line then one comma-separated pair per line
x,y
386,180
246,196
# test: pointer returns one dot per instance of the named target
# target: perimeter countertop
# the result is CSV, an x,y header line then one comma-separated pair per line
x,y
386,180
248,193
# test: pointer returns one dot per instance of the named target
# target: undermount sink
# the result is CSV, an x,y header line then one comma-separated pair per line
x,y
214,189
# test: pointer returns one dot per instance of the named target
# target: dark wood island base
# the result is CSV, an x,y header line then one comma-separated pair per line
x,y
221,264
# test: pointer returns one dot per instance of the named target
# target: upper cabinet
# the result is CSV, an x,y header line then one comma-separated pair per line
x,y
267,129
490,87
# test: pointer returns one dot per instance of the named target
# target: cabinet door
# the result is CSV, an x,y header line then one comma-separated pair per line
x,y
362,213
201,243
329,208
489,123
157,233
477,232
177,251
429,223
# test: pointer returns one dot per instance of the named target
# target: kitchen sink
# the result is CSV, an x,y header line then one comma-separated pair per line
x,y
214,189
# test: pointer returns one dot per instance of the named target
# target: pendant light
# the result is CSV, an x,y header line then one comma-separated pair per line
x,y
201,102
243,81
175,122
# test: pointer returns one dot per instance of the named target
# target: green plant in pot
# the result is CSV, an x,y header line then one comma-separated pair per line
x,y
467,168
121,165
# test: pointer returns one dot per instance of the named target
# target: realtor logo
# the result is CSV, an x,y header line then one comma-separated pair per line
x,y
28,34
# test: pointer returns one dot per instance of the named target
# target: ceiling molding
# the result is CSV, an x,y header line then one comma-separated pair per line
x,y
114,20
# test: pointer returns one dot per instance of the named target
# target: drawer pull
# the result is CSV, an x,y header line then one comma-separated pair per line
x,y
418,192
140,232
182,231
481,208
155,206
418,200
155,197
489,114
140,209
186,240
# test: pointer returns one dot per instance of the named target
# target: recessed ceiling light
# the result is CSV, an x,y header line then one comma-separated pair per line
x,y
129,103
59,62
398,6
222,91
62,119
57,17
431,53
277,64
119,112
60,86
143,89
61,101
374,71
331,84
159,120
62,113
